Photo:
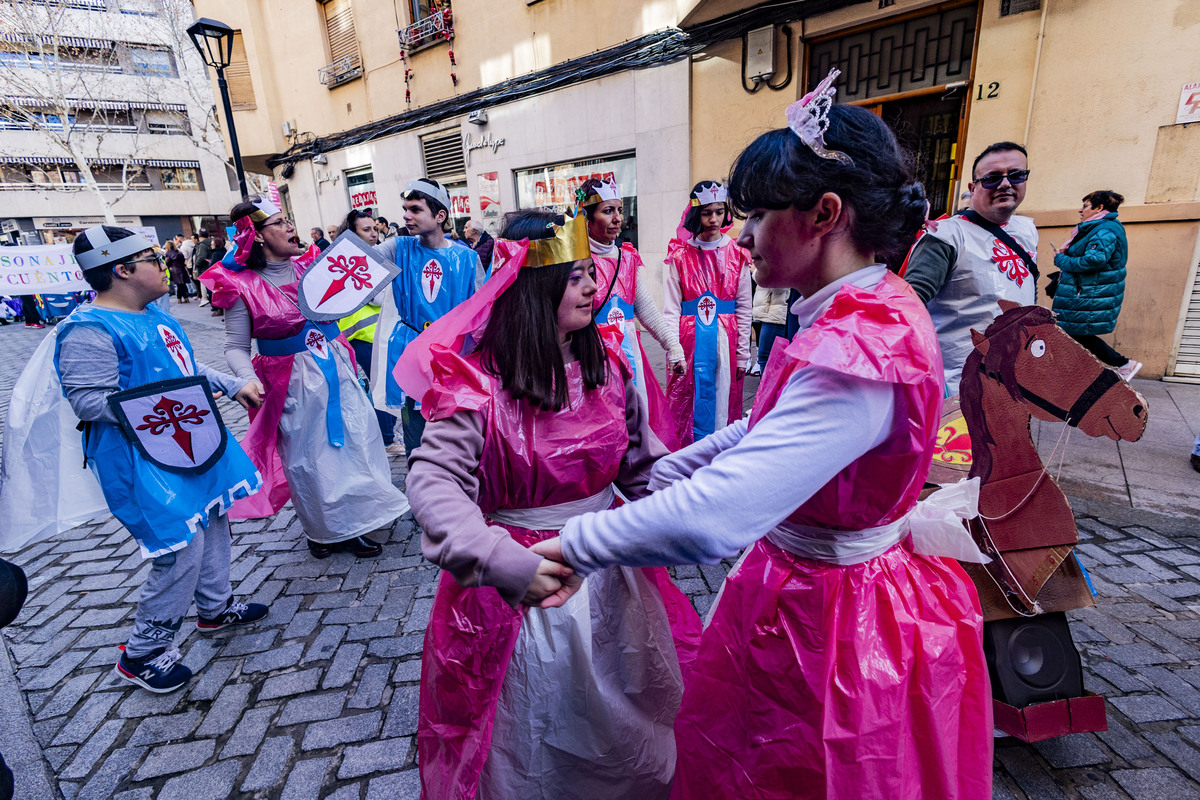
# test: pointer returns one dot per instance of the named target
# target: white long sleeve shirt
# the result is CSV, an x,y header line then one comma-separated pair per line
x,y
728,490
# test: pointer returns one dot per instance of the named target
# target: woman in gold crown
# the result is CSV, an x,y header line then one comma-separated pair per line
x,y
531,427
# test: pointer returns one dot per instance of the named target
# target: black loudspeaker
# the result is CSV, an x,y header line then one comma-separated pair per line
x,y
1032,659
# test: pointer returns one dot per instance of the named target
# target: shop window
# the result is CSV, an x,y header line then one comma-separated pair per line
x,y
180,178
914,54
1010,7
152,61
360,183
553,187
237,75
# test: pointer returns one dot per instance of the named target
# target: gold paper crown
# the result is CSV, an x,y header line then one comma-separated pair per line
x,y
568,245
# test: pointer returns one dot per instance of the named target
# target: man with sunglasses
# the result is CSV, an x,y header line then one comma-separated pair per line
x,y
968,263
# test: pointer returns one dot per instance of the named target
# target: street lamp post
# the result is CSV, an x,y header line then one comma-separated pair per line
x,y
214,40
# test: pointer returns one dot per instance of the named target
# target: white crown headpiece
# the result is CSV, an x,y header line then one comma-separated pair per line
x,y
607,190
809,118
105,252
711,194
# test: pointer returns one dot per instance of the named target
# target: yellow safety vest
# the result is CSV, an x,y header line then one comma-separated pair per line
x,y
361,324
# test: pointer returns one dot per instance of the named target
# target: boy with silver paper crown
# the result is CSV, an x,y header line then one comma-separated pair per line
x,y
168,468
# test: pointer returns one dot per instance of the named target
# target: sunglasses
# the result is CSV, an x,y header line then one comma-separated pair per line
x,y
994,179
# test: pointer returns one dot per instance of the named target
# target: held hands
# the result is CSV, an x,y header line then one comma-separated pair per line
x,y
554,582
250,395
678,367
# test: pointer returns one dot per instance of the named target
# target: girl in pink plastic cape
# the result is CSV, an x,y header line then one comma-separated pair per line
x,y
534,425
707,297
621,297
844,657
315,439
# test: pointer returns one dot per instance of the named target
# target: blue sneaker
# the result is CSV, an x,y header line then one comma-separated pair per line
x,y
159,671
235,613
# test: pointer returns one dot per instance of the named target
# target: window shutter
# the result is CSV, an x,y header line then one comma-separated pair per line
x,y
339,29
237,74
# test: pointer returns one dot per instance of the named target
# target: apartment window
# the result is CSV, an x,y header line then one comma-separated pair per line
x,y
237,74
167,122
339,30
180,178
141,8
152,61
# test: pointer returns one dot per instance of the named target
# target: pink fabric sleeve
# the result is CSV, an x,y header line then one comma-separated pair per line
x,y
443,488
221,285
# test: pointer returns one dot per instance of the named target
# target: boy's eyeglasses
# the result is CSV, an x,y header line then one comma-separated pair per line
x,y
162,262
994,179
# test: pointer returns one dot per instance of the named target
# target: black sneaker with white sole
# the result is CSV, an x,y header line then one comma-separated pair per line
x,y
235,613
158,671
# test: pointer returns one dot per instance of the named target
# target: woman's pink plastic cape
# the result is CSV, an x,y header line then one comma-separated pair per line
x,y
821,681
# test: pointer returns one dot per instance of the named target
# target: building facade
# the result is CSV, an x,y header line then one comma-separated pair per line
x,y
115,84
513,102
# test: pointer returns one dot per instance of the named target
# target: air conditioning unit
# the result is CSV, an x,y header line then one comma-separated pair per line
x,y
478,117
288,129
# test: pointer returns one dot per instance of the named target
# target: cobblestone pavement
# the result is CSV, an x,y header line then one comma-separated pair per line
x,y
319,700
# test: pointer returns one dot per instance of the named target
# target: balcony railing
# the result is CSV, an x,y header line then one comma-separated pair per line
x,y
346,68
427,29
69,187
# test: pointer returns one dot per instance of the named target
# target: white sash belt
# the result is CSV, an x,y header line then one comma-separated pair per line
x,y
935,524
553,518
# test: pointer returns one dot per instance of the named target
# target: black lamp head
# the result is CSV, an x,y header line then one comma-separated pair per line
x,y
214,40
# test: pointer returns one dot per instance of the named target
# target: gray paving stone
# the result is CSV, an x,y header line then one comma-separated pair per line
x,y
1180,752
324,601
1148,708
377,591
290,683
159,730
116,768
104,597
312,708
305,780
53,674
397,601
1076,750
249,732
418,618
351,791
371,686
269,766
302,624
397,786
279,658
326,643
331,733
211,680
57,756
1117,676
372,630
104,638
396,646
283,610
136,794
1028,774
46,730
210,783
1137,655
356,577
93,712
1101,791
200,653
324,586
253,581
1125,744
1155,784
407,671
249,643
96,748
183,757
402,712
352,615
141,703
225,710
386,755
67,696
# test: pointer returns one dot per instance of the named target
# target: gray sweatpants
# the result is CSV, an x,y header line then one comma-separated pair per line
x,y
199,571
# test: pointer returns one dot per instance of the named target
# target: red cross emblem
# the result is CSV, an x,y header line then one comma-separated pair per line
x,y
616,316
431,279
1009,262
353,269
315,341
178,352
708,309
173,415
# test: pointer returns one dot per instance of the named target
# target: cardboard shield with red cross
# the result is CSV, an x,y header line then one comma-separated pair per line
x,y
343,279
174,424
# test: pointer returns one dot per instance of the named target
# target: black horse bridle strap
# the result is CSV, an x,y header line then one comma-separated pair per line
x,y
1104,381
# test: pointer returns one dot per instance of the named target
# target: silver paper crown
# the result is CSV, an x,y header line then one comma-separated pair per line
x,y
105,252
711,194
808,118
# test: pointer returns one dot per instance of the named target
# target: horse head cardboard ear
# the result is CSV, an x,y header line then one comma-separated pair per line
x,y
1024,365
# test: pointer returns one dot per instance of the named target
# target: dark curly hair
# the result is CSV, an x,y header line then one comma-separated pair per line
x,y
779,171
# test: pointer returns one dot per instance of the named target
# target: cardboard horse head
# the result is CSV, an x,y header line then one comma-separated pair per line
x,y
1024,365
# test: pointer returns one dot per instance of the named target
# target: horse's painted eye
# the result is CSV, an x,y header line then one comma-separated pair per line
x,y
1037,348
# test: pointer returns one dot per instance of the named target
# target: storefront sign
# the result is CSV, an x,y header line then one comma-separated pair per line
x,y
40,269
1189,104
360,184
80,223
486,140
273,192
489,195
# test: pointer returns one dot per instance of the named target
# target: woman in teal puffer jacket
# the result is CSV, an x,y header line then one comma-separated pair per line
x,y
1092,286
